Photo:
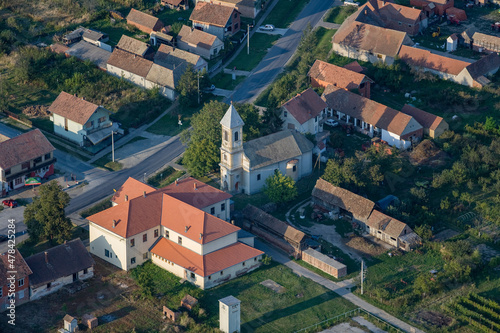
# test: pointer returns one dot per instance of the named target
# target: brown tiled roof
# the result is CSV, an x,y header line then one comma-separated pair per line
x,y
359,207
196,37
453,37
171,57
211,13
426,119
19,265
486,39
281,228
72,107
338,76
63,260
305,105
24,147
132,45
369,37
423,58
458,13
204,265
203,196
484,65
387,224
355,67
165,77
141,18
397,12
58,48
369,111
130,62
131,188
173,2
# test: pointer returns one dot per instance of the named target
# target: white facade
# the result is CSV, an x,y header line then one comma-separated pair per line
x,y
164,91
451,44
130,77
210,53
312,126
52,287
362,55
229,314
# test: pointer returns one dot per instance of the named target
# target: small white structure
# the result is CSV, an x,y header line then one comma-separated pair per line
x,y
451,43
229,314
70,323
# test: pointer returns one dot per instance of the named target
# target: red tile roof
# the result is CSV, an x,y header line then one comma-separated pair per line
x,y
24,147
212,14
196,37
423,58
20,266
141,18
192,223
385,223
305,105
338,76
394,11
131,188
72,107
200,197
355,67
426,119
208,264
130,62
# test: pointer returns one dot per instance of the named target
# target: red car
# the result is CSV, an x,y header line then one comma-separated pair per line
x,y
10,203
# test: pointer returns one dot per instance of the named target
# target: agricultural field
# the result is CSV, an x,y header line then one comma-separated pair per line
x,y
482,314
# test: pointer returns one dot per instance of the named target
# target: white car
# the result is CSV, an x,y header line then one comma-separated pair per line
x,y
267,27
331,122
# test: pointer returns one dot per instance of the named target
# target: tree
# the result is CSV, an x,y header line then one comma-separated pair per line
x,y
187,88
201,157
280,188
45,216
250,116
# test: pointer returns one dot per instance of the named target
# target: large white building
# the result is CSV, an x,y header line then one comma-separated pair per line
x,y
172,227
245,166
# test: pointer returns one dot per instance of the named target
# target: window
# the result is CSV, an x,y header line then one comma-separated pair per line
x,y
145,256
285,114
394,239
258,176
145,237
38,159
20,294
222,207
236,27
18,181
49,285
236,136
167,234
7,172
212,210
47,156
20,282
85,271
399,23
209,277
225,136
179,240
156,233
410,25
1,292
235,15
316,119
132,242
294,168
132,260
106,253
379,56
66,124
243,263
192,276
221,272
102,119
25,165
225,157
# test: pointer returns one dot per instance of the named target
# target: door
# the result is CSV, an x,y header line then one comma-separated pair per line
x,y
75,276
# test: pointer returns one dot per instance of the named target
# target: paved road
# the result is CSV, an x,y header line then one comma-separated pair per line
x,y
280,53
339,288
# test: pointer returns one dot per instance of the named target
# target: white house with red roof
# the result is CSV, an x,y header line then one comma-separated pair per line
x,y
27,155
304,112
172,227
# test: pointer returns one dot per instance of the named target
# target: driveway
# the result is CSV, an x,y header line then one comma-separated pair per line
x,y
276,31
15,214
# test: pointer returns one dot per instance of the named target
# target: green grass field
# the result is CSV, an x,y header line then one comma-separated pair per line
x,y
285,12
259,45
339,14
225,81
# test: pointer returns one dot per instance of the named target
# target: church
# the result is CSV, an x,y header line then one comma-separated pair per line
x,y
245,166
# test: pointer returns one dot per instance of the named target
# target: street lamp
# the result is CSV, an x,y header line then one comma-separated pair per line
x,y
144,179
112,146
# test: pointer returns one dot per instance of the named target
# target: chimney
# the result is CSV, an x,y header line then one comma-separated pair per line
x,y
65,242
46,257
176,182
114,223
201,235
144,194
232,222
194,185
126,197
186,229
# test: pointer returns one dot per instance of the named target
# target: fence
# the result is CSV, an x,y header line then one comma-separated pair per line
x,y
342,317
19,118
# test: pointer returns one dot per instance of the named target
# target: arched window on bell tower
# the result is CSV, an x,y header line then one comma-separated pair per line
x,y
236,138
226,136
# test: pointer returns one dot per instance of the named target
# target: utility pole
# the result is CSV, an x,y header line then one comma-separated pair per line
x,y
248,38
362,275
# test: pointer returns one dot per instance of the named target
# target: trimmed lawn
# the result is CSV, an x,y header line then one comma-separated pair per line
x,y
165,177
169,125
259,45
339,14
225,81
99,207
105,162
285,12
303,302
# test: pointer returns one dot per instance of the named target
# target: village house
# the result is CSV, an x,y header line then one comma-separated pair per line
x,y
157,37
59,266
171,57
433,125
438,7
245,166
473,74
165,226
304,112
89,35
81,121
86,51
27,155
136,47
485,43
247,8
176,4
144,22
361,211
371,118
199,42
21,281
218,20
323,74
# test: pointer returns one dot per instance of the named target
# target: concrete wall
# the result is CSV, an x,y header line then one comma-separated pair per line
x,y
41,291
220,243
222,214
165,91
362,55
102,239
140,247
130,77
74,132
